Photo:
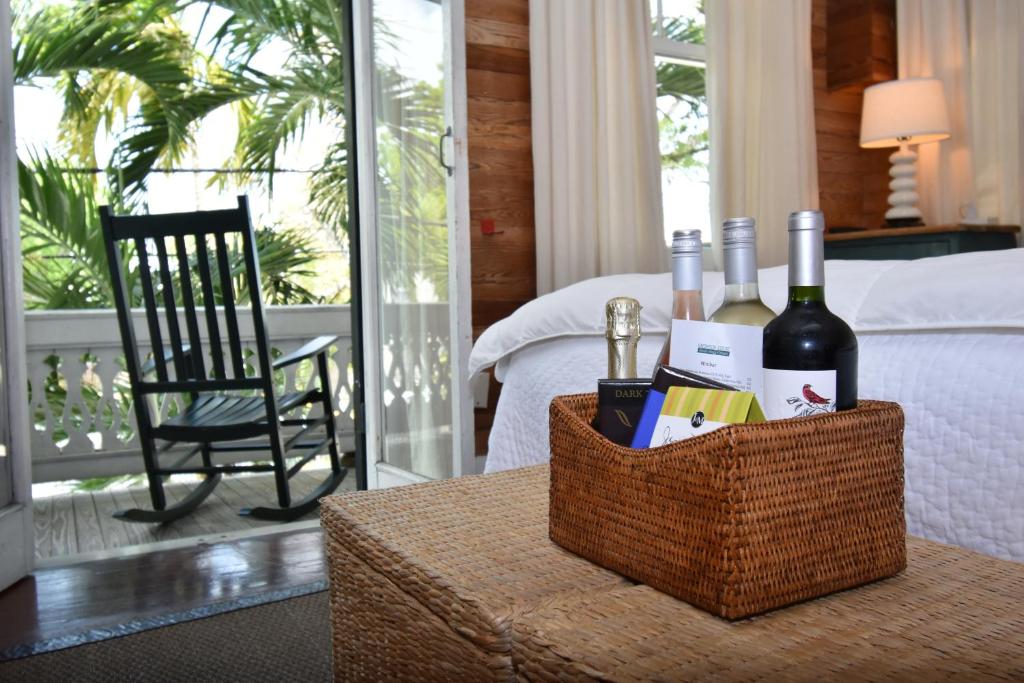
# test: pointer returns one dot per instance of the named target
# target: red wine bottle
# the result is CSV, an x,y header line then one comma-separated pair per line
x,y
809,353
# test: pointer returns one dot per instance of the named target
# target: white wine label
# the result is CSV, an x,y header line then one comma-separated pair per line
x,y
726,353
798,393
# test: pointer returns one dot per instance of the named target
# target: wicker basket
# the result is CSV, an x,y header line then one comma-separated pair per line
x,y
741,520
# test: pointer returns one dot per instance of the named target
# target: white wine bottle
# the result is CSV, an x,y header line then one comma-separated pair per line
x,y
809,354
687,284
742,304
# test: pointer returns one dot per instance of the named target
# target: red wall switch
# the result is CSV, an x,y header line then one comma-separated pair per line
x,y
487,226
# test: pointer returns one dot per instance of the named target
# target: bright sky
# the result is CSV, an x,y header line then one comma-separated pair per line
x,y
38,110
37,117
416,48
685,193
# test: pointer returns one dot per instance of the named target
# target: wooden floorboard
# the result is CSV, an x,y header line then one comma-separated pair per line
x,y
62,528
83,522
119,534
59,602
158,532
42,520
88,533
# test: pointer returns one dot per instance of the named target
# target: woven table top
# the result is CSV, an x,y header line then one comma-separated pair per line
x,y
953,615
474,553
474,550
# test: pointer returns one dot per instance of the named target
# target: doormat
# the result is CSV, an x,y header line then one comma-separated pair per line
x,y
94,635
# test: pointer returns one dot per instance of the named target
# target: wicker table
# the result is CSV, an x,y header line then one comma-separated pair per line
x,y
457,580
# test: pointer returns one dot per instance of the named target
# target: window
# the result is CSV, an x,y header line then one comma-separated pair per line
x,y
679,58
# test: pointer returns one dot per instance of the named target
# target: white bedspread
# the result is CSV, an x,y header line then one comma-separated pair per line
x,y
944,337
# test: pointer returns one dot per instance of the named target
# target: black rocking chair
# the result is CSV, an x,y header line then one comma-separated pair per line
x,y
223,414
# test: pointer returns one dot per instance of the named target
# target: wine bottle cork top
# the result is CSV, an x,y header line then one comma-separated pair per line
x,y
808,219
738,232
686,242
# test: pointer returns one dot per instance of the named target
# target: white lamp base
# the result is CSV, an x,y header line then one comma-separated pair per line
x,y
903,209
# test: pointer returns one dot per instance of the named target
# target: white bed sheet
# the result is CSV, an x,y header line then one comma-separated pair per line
x,y
962,391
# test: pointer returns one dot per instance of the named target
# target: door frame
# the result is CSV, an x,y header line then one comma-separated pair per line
x,y
378,473
16,532
459,268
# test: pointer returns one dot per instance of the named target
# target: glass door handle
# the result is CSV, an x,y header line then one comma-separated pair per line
x,y
440,151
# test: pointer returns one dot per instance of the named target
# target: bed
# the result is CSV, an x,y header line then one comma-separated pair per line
x,y
942,336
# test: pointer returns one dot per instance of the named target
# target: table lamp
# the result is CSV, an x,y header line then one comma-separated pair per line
x,y
908,111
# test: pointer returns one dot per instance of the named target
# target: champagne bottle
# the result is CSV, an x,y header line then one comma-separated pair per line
x,y
809,353
687,283
623,334
620,398
742,304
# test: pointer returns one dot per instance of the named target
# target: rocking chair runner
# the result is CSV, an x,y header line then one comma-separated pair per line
x,y
224,414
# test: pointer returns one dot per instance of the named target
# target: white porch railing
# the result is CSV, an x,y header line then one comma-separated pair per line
x,y
83,423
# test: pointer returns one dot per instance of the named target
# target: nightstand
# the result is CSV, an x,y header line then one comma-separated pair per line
x,y
919,242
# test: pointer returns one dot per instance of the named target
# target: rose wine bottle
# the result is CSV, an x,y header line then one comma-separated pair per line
x,y
809,353
687,283
742,304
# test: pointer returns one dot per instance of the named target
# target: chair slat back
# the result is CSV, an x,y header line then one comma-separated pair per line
x,y
180,280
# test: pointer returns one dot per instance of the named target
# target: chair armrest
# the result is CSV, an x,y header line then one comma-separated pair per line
x,y
150,365
307,350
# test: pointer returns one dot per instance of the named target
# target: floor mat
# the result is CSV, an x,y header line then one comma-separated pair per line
x,y
287,639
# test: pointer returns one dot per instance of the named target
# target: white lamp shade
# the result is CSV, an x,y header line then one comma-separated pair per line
x,y
909,109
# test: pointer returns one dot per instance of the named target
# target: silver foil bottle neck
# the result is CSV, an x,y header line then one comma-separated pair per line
x,y
686,242
687,260
738,232
739,245
807,219
807,249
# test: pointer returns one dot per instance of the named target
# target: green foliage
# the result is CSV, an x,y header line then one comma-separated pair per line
x,y
126,67
682,102
65,262
63,257
105,53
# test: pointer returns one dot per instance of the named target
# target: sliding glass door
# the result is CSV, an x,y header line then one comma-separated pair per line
x,y
411,242
16,542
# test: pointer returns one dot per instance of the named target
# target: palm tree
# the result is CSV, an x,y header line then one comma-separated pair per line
x,y
683,86
65,262
111,54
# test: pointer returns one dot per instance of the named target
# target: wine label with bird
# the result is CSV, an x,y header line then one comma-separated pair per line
x,y
798,393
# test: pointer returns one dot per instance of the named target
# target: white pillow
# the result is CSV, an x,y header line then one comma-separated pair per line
x,y
974,290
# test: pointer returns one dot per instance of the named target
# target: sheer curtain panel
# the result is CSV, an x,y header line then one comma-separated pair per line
x,y
976,48
761,105
597,172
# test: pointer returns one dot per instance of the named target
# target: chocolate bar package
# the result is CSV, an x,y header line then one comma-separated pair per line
x,y
666,378
689,412
619,405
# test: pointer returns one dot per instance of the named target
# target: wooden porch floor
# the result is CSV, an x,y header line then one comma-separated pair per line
x,y
76,523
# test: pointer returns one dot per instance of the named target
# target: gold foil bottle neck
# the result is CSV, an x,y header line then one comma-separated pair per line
x,y
623,334
623,317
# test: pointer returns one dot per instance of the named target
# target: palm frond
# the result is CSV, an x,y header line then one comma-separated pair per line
x,y
65,263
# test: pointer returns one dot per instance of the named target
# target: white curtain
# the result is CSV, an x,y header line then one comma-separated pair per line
x,y
597,171
997,107
932,41
761,105
975,47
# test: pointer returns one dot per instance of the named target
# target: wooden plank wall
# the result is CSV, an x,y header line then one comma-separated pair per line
x,y
853,183
503,261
